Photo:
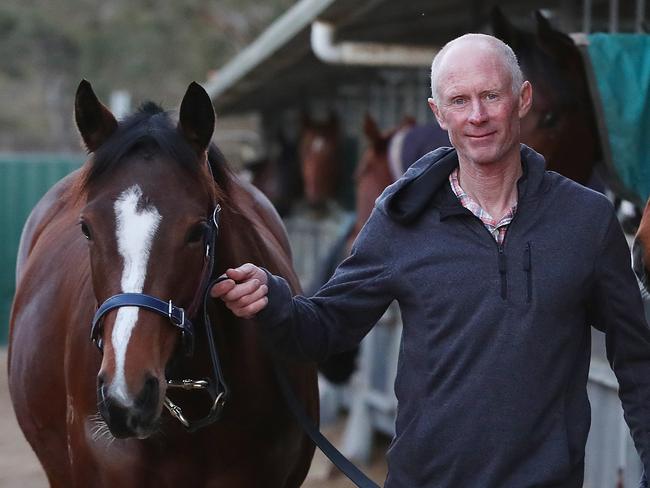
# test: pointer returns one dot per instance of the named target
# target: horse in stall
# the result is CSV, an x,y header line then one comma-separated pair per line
x,y
136,230
561,124
277,175
319,158
372,175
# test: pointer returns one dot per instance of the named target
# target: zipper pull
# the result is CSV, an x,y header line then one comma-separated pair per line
x,y
502,261
502,271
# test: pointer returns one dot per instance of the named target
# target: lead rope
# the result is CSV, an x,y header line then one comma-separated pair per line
x,y
338,459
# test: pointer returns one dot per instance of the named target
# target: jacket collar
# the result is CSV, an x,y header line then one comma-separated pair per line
x,y
426,184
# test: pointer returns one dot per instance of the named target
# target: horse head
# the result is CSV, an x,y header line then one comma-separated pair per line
x,y
149,198
319,158
373,173
561,124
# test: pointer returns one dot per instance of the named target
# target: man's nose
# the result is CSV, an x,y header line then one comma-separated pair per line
x,y
478,114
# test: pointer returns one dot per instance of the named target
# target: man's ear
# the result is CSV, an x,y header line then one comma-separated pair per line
x,y
436,112
525,99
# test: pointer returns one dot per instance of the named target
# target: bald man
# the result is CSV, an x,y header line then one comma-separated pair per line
x,y
500,269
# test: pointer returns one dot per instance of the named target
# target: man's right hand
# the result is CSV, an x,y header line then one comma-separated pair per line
x,y
244,293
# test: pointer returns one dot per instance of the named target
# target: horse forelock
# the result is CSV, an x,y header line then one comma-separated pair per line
x,y
152,131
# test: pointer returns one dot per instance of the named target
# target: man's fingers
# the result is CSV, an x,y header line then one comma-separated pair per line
x,y
244,293
222,288
251,310
248,299
241,290
242,273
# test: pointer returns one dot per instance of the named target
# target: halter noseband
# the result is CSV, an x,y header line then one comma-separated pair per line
x,y
217,389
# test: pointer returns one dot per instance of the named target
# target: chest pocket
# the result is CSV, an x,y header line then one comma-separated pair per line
x,y
554,278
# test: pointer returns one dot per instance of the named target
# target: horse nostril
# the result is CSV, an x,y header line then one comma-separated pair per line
x,y
148,397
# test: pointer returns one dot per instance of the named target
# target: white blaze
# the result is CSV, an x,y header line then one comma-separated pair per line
x,y
135,230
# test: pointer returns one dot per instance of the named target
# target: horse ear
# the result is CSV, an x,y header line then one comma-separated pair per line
x,y
370,128
95,122
502,28
549,36
557,44
197,118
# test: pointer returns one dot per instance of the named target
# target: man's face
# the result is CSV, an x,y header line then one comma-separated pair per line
x,y
476,104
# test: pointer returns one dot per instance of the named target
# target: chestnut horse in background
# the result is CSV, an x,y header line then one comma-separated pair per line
x,y
136,219
319,155
373,174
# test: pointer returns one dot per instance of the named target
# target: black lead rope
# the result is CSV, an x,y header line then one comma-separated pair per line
x,y
338,459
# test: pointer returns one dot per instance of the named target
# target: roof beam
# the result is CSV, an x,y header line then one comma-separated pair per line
x,y
365,53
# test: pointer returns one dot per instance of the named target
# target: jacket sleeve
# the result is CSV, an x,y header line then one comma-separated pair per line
x,y
618,311
345,308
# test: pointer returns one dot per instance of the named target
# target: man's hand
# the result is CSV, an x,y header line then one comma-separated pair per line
x,y
244,293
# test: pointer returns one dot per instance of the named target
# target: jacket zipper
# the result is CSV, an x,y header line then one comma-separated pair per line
x,y
503,268
528,268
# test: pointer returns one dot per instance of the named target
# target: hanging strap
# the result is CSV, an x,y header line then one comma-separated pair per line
x,y
339,460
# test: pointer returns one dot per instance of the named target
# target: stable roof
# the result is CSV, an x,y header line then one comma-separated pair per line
x,y
279,67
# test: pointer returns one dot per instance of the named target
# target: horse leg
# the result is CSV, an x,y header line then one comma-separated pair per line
x,y
38,393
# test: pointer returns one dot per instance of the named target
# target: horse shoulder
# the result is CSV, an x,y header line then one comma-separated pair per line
x,y
258,209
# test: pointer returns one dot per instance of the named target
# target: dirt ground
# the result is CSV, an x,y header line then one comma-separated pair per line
x,y
20,469
18,464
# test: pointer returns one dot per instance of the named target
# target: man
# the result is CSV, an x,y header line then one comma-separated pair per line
x,y
499,269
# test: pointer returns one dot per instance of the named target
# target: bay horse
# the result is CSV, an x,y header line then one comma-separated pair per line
x,y
277,174
141,219
561,124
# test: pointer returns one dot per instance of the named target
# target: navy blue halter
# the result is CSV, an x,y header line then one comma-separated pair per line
x,y
218,389
175,314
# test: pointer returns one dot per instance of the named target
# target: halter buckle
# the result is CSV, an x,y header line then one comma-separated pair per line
x,y
172,318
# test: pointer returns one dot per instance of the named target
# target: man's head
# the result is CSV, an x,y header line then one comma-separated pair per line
x,y
479,97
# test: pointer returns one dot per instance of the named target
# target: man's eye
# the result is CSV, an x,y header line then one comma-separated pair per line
x,y
458,101
491,96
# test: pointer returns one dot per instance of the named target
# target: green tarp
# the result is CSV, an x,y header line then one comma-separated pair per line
x,y
621,69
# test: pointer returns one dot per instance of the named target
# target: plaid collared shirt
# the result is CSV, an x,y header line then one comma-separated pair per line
x,y
496,228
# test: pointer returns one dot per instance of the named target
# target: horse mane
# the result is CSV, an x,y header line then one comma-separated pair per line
x,y
151,128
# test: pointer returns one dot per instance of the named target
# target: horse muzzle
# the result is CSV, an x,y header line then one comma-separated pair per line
x,y
137,419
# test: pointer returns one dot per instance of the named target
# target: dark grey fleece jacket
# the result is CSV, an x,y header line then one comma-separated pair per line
x,y
495,351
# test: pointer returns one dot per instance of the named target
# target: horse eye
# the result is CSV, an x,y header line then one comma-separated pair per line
x,y
196,233
85,230
548,120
